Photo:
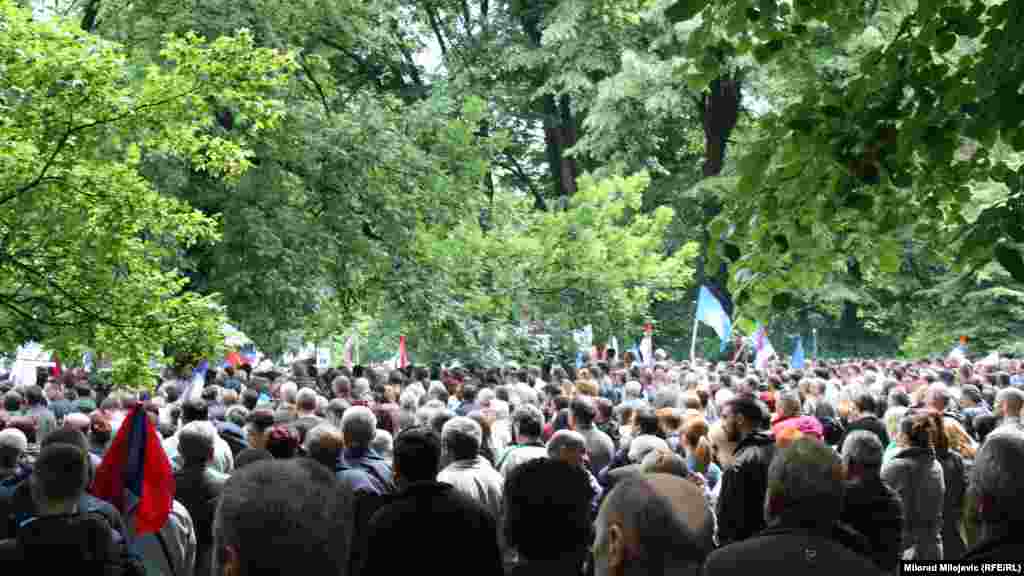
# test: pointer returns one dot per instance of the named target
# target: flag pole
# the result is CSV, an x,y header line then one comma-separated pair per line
x,y
693,341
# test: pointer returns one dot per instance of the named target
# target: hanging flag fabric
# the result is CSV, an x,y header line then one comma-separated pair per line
x,y
638,357
349,345
711,312
764,348
647,346
194,390
403,357
233,358
797,361
56,370
135,474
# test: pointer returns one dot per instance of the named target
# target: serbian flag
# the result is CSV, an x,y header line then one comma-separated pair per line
x,y
135,475
403,356
56,370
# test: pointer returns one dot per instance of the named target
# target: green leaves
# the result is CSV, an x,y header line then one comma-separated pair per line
x,y
1011,258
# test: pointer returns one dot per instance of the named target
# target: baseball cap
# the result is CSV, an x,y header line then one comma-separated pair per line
x,y
13,438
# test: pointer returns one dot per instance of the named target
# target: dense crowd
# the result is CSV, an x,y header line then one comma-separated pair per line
x,y
609,469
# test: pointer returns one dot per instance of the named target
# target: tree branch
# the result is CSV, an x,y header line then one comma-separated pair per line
x,y
313,80
435,24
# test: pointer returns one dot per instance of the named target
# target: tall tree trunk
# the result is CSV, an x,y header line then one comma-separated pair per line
x,y
89,13
720,109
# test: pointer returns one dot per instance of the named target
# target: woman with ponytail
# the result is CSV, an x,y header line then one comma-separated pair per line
x,y
916,475
696,448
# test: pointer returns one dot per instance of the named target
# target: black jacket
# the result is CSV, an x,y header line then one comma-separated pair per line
x,y
431,518
198,490
954,474
792,552
741,501
82,543
872,424
876,511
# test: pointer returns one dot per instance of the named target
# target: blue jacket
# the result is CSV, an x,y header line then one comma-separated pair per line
x,y
362,470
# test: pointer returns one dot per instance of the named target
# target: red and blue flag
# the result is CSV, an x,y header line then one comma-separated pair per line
x,y
136,476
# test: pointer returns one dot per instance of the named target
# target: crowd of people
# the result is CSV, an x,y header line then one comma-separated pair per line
x,y
609,469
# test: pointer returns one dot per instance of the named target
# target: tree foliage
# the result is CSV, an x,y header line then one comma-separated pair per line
x,y
85,236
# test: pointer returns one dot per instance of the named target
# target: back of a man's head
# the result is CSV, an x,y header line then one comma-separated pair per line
x,y
324,444
305,400
195,442
60,475
583,411
995,479
417,455
862,451
654,524
461,437
195,410
547,510
528,421
358,425
805,485
280,516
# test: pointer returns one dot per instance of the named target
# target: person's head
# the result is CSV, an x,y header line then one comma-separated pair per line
x,y
12,401
583,412
917,430
461,438
937,397
283,441
547,510
383,444
13,444
633,390
59,478
287,392
305,401
358,427
568,446
527,423
995,481
789,403
983,425
361,389
324,444
805,485
970,396
195,443
864,405
740,417
237,415
260,420
696,442
645,421
1009,402
34,396
862,454
301,497
417,455
249,455
655,524
194,411
342,387
722,449
100,430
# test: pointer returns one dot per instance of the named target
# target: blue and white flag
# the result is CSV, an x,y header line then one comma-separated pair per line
x,y
711,312
798,355
194,390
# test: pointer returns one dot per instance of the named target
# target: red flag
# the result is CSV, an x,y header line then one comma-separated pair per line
x,y
136,476
233,358
56,370
403,357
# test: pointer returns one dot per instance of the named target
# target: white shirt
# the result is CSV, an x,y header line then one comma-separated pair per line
x,y
223,458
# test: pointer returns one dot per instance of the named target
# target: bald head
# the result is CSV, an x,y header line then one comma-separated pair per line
x,y
653,524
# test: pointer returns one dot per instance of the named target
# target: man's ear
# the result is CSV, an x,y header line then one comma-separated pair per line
x,y
616,546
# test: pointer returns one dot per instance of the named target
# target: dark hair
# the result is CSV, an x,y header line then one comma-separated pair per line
x,y
34,396
302,498
748,407
61,471
210,393
172,393
66,436
583,411
417,454
528,421
561,420
865,403
983,424
326,448
547,506
195,410
12,401
646,420
900,398
469,392
250,398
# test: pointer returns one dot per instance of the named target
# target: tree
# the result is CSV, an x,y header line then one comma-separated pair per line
x,y
85,238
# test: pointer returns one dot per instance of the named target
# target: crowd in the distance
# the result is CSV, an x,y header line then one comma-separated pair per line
x,y
611,469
